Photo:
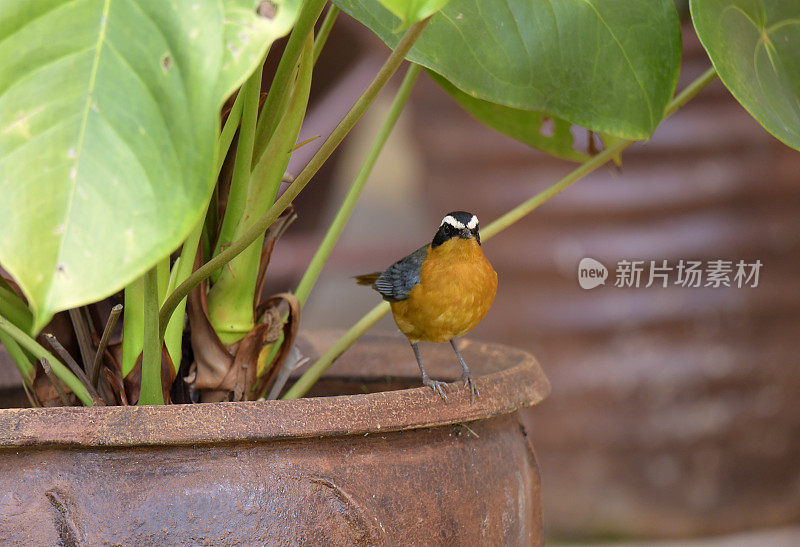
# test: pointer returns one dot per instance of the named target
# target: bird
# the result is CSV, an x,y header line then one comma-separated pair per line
x,y
440,291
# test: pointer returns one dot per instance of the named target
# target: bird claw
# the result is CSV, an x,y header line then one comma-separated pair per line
x,y
473,389
441,387
436,386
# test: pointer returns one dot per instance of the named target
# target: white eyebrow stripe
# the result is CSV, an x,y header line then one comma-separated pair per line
x,y
473,223
452,222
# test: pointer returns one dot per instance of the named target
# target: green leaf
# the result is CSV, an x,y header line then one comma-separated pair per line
x,y
109,113
609,66
411,11
527,126
755,48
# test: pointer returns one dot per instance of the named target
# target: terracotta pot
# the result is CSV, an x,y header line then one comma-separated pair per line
x,y
383,467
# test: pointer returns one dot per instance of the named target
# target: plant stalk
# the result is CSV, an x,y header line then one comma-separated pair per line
x,y
278,93
348,122
151,393
54,382
24,365
230,300
346,209
29,344
229,130
304,383
691,90
367,321
325,30
244,156
74,367
13,307
591,164
132,325
94,373
81,327
173,335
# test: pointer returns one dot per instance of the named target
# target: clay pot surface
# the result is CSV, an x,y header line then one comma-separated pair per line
x,y
383,468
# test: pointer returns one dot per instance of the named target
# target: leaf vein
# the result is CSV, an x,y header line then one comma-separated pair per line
x,y
627,59
149,91
82,132
40,16
53,127
29,73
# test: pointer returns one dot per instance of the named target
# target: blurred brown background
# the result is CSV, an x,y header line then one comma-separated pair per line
x,y
673,411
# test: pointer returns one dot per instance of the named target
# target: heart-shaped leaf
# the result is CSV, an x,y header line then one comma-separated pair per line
x,y
609,66
109,112
755,48
537,130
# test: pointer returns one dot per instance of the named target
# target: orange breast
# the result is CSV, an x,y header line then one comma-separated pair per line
x,y
457,287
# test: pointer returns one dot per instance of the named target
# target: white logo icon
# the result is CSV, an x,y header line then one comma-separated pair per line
x,y
591,273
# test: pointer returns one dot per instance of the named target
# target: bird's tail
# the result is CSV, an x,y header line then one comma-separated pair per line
x,y
367,279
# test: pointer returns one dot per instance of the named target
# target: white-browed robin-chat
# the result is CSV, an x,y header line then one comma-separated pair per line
x,y
440,291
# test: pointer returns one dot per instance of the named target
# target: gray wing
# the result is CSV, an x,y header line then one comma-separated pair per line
x,y
396,282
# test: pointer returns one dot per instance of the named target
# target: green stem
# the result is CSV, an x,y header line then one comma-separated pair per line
x,y
367,321
163,277
13,307
590,165
229,129
132,325
237,195
210,224
325,30
66,376
20,359
151,393
351,118
133,318
230,300
173,336
691,90
308,379
346,209
278,93
529,205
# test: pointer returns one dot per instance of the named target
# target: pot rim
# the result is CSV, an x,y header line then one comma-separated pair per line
x,y
516,381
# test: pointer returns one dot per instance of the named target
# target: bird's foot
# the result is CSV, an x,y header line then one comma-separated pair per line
x,y
470,384
437,386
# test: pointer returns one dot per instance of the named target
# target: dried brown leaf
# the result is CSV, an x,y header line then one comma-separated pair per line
x,y
274,232
290,328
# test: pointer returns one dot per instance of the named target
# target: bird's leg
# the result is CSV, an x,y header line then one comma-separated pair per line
x,y
466,375
435,385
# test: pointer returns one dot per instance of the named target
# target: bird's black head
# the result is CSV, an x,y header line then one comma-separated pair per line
x,y
457,224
